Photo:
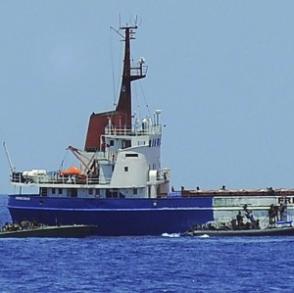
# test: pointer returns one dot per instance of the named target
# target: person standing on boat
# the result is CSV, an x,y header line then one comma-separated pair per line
x,y
249,215
239,218
282,215
272,214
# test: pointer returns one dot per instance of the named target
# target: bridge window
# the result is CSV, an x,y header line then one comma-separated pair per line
x,y
131,155
135,191
59,190
53,190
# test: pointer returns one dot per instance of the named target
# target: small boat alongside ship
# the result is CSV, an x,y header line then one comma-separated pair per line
x,y
275,231
63,231
120,184
247,225
279,228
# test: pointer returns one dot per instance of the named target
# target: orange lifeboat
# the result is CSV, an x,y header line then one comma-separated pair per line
x,y
73,170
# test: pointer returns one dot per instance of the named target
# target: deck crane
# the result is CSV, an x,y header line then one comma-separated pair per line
x,y
89,163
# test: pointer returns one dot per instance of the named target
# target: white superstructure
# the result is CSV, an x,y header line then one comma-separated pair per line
x,y
127,165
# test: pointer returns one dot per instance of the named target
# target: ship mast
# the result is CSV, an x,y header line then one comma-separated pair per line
x,y
121,117
130,73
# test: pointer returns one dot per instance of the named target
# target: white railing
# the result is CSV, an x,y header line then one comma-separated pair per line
x,y
56,178
133,132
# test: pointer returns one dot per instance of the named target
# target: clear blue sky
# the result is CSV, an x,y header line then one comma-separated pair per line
x,y
221,71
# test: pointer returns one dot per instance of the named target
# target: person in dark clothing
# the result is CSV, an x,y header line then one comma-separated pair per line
x,y
272,214
249,215
239,218
282,212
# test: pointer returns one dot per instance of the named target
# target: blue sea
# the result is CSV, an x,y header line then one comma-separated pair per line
x,y
166,263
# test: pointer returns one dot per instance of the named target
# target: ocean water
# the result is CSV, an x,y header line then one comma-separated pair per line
x,y
167,263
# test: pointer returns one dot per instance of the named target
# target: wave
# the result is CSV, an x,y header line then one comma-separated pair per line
x,y
171,235
204,236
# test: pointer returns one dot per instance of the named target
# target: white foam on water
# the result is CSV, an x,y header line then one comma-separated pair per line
x,y
171,235
204,236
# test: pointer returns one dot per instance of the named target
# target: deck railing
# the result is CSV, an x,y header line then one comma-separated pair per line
x,y
156,129
56,178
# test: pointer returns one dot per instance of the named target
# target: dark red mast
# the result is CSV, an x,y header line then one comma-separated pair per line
x,y
122,116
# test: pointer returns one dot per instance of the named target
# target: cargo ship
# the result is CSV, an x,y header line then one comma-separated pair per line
x,y
119,184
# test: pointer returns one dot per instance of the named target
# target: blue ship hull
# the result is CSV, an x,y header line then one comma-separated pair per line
x,y
115,216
